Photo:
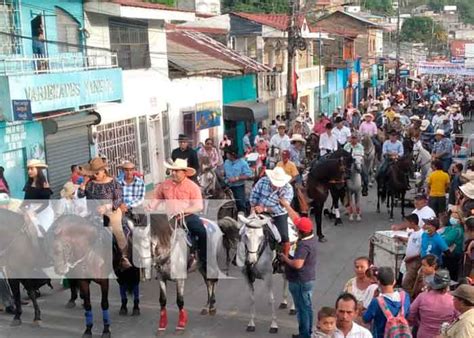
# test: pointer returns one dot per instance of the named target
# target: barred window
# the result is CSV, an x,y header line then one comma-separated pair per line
x,y
130,41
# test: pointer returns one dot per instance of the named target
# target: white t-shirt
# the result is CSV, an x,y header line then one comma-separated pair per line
x,y
425,212
341,134
357,331
283,143
414,243
327,143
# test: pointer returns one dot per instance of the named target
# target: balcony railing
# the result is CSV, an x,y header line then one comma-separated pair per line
x,y
272,85
308,78
59,63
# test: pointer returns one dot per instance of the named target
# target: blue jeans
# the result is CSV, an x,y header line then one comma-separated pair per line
x,y
446,163
240,198
198,231
302,293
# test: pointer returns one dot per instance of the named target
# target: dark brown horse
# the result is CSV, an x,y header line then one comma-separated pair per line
x,y
329,174
312,147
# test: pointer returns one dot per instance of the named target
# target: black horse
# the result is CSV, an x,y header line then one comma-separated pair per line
x,y
329,174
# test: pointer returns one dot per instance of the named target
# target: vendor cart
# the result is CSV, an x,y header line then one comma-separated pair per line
x,y
386,250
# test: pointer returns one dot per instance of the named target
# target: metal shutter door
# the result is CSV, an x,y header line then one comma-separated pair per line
x,y
63,149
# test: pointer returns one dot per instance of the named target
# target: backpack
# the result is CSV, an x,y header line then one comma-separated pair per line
x,y
396,327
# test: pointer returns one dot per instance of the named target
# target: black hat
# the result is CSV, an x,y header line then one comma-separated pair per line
x,y
182,137
338,119
231,150
421,197
434,221
440,280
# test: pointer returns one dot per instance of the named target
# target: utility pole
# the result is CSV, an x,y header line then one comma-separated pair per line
x,y
290,106
397,71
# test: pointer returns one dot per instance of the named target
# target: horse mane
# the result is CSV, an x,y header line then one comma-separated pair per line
x,y
160,229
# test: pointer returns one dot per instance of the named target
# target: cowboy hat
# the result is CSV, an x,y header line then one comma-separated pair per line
x,y
440,110
281,125
455,106
468,189
297,138
338,119
397,115
415,118
34,163
127,165
441,280
68,190
278,177
94,165
468,175
299,119
182,137
465,292
433,221
181,164
439,132
367,115
424,125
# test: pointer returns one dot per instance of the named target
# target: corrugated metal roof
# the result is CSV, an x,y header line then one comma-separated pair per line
x,y
201,44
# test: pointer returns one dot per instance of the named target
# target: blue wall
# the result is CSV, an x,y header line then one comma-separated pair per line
x,y
332,91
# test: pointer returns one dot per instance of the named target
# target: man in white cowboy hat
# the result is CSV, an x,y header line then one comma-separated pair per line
x,y
265,198
437,119
299,127
182,198
297,150
426,136
442,149
133,187
368,126
281,139
185,152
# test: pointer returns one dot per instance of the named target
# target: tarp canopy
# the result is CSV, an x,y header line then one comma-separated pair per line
x,y
246,111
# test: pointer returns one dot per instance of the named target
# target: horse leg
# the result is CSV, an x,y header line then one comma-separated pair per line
x,y
123,296
84,288
284,303
205,309
183,315
318,216
403,204
251,324
33,297
392,203
357,197
163,323
274,324
15,287
104,303
212,300
338,196
136,299
73,286
378,201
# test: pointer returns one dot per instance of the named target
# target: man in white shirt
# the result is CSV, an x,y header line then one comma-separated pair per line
x,y
280,140
423,211
346,312
341,132
327,141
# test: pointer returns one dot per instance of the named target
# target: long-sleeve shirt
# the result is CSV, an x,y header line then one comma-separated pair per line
x,y
134,193
327,143
281,142
214,158
368,128
357,150
236,168
341,134
103,191
445,147
179,196
263,194
390,147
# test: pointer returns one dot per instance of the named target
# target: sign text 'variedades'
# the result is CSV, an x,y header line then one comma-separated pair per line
x,y
65,90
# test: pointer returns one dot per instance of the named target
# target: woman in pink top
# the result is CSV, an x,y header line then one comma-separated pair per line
x,y
433,307
320,126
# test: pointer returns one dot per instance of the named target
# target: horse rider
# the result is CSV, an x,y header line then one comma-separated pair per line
x,y
133,188
209,156
341,132
236,172
297,150
327,141
265,198
443,149
427,134
299,127
414,131
392,150
183,200
280,140
355,148
185,152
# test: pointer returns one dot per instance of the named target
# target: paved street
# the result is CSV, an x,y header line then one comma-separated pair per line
x,y
334,268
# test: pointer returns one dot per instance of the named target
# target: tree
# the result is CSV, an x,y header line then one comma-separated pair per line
x,y
379,6
170,3
425,30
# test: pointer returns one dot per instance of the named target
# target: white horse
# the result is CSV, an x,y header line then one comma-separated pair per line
x,y
422,159
369,158
354,189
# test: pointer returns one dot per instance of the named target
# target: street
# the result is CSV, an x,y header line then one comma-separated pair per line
x,y
334,268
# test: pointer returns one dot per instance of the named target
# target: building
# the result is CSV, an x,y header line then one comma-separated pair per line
x,y
50,86
206,7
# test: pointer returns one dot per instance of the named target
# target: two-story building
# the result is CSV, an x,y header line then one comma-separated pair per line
x,y
50,86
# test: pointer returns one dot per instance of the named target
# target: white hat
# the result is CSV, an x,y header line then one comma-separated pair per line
x,y
439,132
181,164
424,125
415,118
440,110
34,163
367,115
68,190
297,138
278,177
397,115
468,189
445,118
281,125
468,175
299,119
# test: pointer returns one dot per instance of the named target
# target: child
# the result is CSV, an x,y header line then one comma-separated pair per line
x,y
431,240
361,286
429,266
326,323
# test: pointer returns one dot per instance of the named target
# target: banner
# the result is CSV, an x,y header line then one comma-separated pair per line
x,y
444,68
208,115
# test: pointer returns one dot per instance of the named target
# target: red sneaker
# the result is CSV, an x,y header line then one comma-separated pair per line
x,y
163,320
182,320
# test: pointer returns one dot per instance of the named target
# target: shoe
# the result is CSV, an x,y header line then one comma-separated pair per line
x,y
322,239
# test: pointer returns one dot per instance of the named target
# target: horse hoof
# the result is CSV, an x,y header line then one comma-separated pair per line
x,y
136,311
106,334
283,306
37,323
250,328
123,311
15,322
204,312
351,217
87,334
273,330
292,312
71,304
212,312
338,221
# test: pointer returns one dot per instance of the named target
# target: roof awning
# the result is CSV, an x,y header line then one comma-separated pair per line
x,y
246,111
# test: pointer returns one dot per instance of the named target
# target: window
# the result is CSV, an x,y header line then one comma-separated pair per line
x,y
68,32
189,125
144,144
130,41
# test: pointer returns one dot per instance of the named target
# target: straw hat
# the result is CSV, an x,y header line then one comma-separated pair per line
x,y
278,177
415,118
439,132
281,125
440,110
34,163
127,165
181,164
68,191
94,165
297,138
367,115
424,125
468,175
468,189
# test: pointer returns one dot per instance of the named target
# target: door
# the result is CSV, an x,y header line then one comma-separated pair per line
x,y
158,154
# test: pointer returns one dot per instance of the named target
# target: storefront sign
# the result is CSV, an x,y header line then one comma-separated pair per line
x,y
208,115
404,73
22,110
59,91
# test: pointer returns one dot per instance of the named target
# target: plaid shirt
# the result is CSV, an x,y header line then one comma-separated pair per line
x,y
133,194
444,146
264,195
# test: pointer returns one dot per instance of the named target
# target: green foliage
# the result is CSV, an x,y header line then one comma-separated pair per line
x,y
257,6
425,30
170,3
466,11
437,5
379,6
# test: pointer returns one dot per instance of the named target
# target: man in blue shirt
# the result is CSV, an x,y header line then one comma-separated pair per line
x,y
392,299
443,149
236,172
392,149
431,242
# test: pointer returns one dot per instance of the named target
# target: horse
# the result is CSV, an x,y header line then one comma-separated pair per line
x,y
380,139
255,256
169,252
328,175
394,184
354,189
82,251
22,257
368,163
312,147
422,159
